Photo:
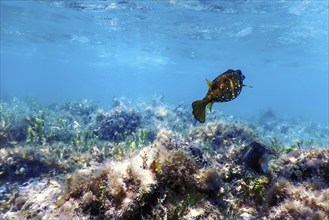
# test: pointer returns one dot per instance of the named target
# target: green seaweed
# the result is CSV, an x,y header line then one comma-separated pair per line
x,y
83,140
138,140
276,147
36,134
76,140
296,146
118,151
254,188
130,142
181,210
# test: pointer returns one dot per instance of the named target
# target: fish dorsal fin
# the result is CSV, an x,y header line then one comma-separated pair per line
x,y
210,105
209,84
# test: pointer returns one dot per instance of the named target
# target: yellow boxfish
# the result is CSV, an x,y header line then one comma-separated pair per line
x,y
224,88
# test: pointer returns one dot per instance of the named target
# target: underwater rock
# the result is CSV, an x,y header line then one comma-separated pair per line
x,y
161,182
197,154
164,138
34,200
223,134
21,164
168,179
256,156
12,132
303,165
80,108
118,122
154,183
305,200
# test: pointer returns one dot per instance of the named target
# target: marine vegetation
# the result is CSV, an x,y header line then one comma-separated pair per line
x,y
224,88
120,120
36,133
149,160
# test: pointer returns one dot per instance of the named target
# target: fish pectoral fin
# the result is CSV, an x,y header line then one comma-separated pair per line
x,y
247,86
209,84
210,105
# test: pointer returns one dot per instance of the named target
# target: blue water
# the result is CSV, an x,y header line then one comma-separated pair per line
x,y
55,51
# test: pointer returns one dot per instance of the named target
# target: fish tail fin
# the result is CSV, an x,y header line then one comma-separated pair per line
x,y
199,110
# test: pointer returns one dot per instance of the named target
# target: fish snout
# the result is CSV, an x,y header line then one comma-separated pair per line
x,y
240,73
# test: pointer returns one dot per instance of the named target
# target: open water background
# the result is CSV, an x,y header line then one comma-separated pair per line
x,y
56,51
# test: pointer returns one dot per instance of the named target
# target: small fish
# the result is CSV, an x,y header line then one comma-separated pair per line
x,y
224,88
257,157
